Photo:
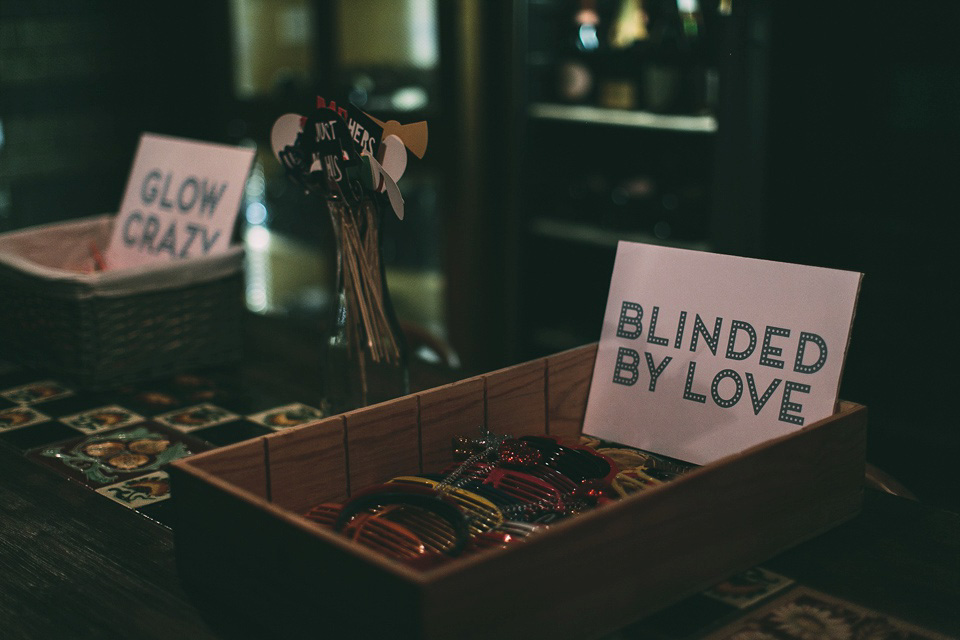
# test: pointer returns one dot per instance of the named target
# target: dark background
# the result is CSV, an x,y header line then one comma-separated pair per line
x,y
837,147
862,154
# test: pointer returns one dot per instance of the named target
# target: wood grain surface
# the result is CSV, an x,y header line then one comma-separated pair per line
x,y
516,399
445,413
382,442
568,382
242,464
73,565
308,465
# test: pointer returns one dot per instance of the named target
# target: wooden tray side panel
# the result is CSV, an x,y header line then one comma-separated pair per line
x,y
382,442
220,541
607,568
242,465
516,399
447,412
289,582
308,465
329,593
568,383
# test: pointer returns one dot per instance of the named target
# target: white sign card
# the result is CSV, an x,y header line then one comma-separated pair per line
x,y
703,355
181,201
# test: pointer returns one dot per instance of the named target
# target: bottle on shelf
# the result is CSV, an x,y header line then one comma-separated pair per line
x,y
676,75
576,69
695,65
625,40
651,55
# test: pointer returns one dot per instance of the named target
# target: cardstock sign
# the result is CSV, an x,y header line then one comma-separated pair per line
x,y
181,201
703,355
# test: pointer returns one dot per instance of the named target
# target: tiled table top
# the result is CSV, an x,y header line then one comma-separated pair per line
x,y
119,443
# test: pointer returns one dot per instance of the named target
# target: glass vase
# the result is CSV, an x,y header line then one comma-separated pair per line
x,y
366,353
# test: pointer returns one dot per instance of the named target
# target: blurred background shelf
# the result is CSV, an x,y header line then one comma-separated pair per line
x,y
624,118
617,132
607,238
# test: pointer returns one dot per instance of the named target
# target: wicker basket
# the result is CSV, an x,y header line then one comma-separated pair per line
x,y
104,329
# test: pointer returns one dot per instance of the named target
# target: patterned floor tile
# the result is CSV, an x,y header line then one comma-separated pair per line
x,y
748,588
36,392
19,417
109,457
101,419
805,614
196,417
287,416
118,442
140,491
150,400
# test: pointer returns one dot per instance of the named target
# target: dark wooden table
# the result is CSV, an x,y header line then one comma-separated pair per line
x,y
75,565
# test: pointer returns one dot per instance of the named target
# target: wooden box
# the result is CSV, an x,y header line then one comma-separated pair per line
x,y
240,538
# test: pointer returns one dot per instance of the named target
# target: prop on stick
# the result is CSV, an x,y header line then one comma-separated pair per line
x,y
348,158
